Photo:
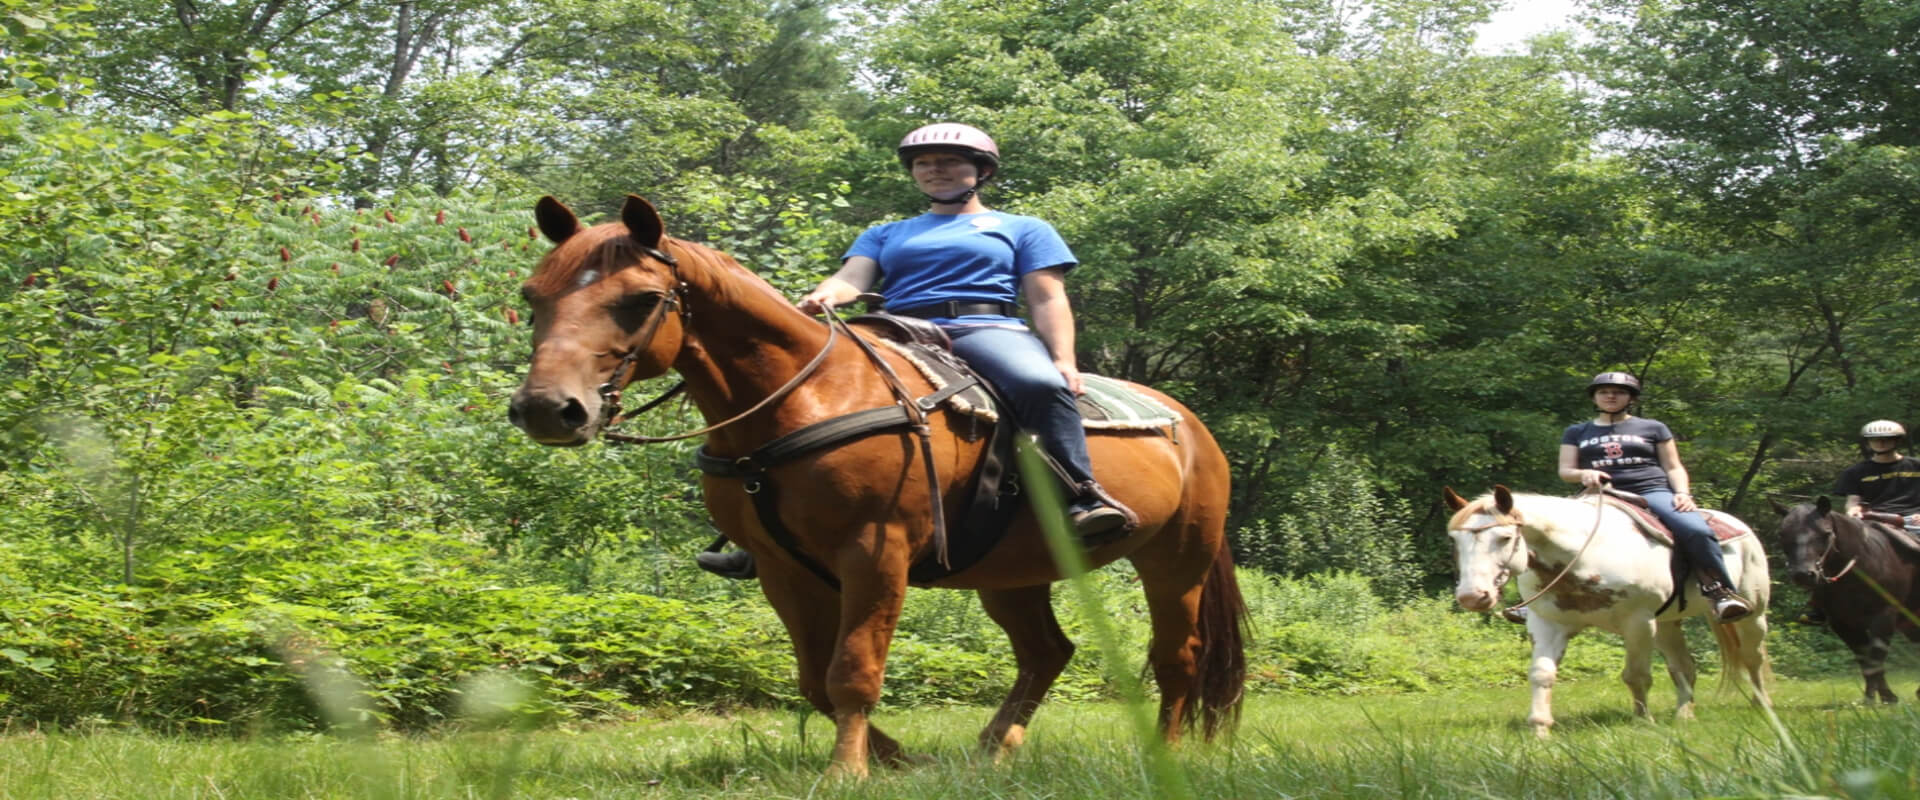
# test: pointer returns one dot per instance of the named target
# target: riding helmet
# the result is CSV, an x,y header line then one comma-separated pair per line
x,y
952,137
1882,429
1624,380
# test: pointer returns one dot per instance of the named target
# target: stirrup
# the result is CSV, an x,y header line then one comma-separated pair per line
x,y
1094,513
1098,523
1728,606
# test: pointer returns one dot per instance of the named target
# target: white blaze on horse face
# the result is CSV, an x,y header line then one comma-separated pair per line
x,y
1483,550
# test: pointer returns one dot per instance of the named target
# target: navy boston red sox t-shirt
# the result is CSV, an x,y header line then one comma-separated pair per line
x,y
1628,451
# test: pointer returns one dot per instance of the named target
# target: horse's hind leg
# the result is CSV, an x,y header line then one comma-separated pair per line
x,y
1040,651
1671,640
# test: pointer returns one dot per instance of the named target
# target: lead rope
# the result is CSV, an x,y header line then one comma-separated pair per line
x,y
1599,514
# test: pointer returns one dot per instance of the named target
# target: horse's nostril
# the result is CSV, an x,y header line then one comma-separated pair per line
x,y
574,415
513,414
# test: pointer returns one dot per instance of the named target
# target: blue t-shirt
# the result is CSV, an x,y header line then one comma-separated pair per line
x,y
933,258
1628,451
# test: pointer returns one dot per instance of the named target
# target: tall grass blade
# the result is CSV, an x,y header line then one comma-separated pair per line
x,y
1164,774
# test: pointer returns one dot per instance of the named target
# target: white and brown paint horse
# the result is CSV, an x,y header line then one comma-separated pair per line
x,y
1616,578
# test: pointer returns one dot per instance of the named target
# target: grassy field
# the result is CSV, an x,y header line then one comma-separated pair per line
x,y
1463,744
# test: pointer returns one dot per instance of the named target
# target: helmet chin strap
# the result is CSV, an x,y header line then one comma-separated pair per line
x,y
958,198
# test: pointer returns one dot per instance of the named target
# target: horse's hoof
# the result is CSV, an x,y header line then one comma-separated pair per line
x,y
1000,747
1543,731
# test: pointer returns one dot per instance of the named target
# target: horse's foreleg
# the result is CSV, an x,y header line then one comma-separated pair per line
x,y
869,612
1549,646
1869,648
1638,672
1672,643
1040,650
810,610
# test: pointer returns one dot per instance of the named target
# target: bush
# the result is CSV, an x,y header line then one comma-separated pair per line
x,y
1341,524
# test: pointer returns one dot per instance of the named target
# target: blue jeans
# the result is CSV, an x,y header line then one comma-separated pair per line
x,y
1690,535
1019,366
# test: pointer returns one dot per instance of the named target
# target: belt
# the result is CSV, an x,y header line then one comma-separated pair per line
x,y
956,308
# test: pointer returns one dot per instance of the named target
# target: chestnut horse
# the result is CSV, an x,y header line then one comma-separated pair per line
x,y
622,301
1833,556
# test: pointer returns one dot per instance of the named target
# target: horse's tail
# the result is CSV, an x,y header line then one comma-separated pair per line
x,y
1734,662
1222,660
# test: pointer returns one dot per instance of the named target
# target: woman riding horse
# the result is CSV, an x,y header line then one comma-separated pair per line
x,y
1638,455
962,266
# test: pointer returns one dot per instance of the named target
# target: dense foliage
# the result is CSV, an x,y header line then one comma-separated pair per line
x,y
261,263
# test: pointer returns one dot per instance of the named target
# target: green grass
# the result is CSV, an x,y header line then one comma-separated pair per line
x,y
1442,744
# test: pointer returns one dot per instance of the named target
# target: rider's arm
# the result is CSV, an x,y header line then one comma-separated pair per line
x,y
1571,472
1677,478
856,275
1046,293
1854,507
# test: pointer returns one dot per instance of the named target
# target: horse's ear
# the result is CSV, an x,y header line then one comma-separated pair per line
x,y
1823,505
1454,501
1777,508
556,220
1503,498
643,222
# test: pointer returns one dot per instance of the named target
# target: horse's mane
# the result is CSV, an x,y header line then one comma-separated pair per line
x,y
1480,505
1866,540
609,247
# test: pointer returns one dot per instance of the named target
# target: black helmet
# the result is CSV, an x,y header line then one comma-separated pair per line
x,y
1624,380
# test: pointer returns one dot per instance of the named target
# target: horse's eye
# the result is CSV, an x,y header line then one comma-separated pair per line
x,y
631,312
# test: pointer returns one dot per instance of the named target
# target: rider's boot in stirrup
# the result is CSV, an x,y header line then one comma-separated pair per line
x,y
735,564
1097,517
1728,606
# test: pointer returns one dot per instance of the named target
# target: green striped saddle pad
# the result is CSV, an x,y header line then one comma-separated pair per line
x,y
1106,404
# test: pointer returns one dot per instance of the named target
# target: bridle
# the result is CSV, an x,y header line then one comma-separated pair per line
x,y
1819,565
915,412
1512,553
1519,541
675,298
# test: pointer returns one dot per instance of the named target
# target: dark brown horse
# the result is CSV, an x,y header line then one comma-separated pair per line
x,y
1834,556
622,301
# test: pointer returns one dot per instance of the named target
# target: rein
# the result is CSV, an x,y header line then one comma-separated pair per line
x,y
1599,514
1832,539
915,412
611,390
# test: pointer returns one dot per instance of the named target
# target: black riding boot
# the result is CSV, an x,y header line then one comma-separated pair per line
x,y
735,564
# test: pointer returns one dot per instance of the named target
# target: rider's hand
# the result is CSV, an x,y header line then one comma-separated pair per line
x,y
815,302
1072,374
1856,512
1683,502
1593,478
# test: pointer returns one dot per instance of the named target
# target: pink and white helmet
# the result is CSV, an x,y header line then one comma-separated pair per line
x,y
951,137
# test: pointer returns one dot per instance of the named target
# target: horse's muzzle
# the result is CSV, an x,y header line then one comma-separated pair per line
x,y
551,419
1475,600
1804,578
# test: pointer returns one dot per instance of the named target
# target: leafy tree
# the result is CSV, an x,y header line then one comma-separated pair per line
x,y
1785,134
